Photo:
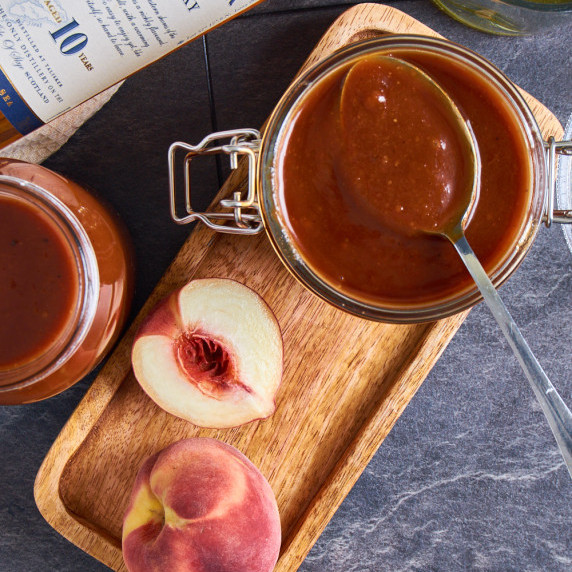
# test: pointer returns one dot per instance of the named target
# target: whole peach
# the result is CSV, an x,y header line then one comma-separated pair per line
x,y
200,505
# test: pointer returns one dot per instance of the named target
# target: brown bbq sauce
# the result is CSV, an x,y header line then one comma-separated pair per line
x,y
343,240
38,282
414,176
48,278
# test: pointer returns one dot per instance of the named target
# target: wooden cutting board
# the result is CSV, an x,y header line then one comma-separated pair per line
x,y
346,381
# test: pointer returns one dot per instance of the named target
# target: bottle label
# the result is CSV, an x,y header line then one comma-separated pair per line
x,y
55,54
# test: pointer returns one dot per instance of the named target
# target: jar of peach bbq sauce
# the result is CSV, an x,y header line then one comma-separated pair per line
x,y
65,282
333,237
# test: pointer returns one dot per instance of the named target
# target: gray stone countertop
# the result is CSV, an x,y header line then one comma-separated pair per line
x,y
470,477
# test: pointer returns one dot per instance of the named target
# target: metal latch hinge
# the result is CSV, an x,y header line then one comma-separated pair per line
x,y
244,217
553,149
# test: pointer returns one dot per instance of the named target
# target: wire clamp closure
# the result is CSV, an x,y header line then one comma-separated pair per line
x,y
245,216
553,149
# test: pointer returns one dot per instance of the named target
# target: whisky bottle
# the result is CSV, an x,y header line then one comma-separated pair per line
x,y
56,54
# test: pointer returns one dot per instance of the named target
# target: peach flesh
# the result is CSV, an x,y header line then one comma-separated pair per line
x,y
211,353
201,506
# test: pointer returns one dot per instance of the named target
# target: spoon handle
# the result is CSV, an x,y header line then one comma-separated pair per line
x,y
558,415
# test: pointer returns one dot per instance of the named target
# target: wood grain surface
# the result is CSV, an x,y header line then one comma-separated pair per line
x,y
346,381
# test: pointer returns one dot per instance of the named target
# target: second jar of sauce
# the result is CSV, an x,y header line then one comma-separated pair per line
x,y
66,280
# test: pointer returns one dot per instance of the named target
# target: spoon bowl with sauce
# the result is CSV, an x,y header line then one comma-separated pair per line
x,y
444,205
433,149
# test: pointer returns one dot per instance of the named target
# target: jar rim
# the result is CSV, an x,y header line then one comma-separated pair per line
x,y
278,125
77,327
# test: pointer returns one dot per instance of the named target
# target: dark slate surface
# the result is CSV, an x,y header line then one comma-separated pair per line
x,y
470,477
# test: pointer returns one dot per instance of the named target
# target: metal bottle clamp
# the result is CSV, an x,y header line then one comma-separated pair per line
x,y
554,148
245,216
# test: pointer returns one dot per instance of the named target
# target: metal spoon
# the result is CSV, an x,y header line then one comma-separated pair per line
x,y
558,415
451,226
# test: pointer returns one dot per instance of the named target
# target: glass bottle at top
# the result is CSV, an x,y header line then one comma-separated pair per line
x,y
56,54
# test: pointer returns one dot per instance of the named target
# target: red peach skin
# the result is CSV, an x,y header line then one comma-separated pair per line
x,y
201,506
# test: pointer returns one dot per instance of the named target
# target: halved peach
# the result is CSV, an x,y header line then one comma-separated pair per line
x,y
211,353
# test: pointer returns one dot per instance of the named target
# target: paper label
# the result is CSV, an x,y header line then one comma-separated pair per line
x,y
55,54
